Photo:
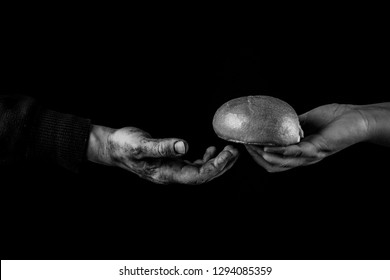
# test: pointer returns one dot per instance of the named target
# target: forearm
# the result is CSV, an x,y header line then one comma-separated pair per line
x,y
378,122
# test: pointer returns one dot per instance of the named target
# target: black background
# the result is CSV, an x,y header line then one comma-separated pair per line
x,y
169,79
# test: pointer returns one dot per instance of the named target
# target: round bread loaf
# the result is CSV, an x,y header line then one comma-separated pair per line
x,y
259,120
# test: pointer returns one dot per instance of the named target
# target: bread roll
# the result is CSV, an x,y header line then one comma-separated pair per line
x,y
259,120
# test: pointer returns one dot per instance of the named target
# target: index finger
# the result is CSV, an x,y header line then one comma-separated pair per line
x,y
303,149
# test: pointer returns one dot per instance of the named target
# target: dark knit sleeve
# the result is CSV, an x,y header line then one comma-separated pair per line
x,y
60,138
29,132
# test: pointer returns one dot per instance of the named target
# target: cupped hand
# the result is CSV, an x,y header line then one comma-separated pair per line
x,y
328,129
157,160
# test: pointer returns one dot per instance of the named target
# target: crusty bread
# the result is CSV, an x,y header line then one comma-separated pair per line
x,y
260,120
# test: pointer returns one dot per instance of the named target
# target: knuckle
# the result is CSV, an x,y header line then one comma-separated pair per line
x,y
320,155
298,153
196,182
137,153
160,149
207,169
158,178
192,180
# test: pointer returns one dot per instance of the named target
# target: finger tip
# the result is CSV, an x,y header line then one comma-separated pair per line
x,y
232,150
211,148
235,152
268,149
266,157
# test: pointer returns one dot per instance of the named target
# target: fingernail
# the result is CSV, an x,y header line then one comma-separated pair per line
x,y
180,147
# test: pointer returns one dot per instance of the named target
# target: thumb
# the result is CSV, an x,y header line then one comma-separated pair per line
x,y
169,147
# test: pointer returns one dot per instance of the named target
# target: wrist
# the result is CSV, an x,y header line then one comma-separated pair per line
x,y
377,116
366,122
97,150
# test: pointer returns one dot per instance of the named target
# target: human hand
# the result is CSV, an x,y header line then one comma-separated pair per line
x,y
329,129
157,160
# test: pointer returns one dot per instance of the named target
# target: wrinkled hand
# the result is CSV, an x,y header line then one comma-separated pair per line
x,y
157,160
329,129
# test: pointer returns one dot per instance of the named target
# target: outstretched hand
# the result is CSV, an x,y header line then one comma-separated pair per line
x,y
157,160
329,129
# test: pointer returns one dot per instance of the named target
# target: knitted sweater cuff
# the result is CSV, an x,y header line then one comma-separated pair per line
x,y
61,138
